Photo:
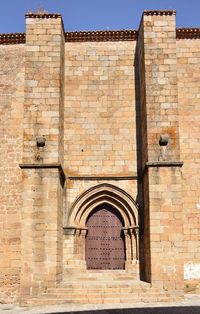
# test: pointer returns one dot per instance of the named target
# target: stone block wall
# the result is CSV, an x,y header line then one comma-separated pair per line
x,y
100,136
162,186
41,260
43,88
188,72
11,131
101,107
166,227
160,68
42,221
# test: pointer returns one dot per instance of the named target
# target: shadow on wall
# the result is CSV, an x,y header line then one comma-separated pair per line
x,y
152,310
142,187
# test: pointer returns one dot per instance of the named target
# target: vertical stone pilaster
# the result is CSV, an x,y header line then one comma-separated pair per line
x,y
43,105
42,166
161,84
161,164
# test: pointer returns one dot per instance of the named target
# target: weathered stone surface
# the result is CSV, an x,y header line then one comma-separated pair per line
x,y
101,108
11,113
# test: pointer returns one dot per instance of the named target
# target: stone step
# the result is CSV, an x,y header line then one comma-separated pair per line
x,y
102,291
90,295
99,300
100,294
105,291
103,295
73,275
100,280
105,283
100,271
92,279
89,273
103,288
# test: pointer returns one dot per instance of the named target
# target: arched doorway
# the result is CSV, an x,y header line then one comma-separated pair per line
x,y
105,245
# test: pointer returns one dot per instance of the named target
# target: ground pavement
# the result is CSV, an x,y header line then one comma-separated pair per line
x,y
190,305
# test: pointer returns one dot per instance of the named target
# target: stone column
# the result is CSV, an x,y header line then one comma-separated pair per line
x,y
43,177
162,189
135,242
83,236
128,245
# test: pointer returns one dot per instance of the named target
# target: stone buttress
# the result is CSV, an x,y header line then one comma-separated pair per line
x,y
162,232
41,234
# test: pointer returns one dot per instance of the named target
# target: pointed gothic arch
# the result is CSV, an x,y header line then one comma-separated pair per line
x,y
91,199
104,193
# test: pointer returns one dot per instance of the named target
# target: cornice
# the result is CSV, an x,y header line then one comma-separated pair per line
x,y
105,177
164,164
46,166
99,36
159,12
43,15
13,38
188,33
105,35
40,166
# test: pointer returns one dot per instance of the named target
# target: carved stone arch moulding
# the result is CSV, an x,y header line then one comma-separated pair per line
x,y
104,193
121,201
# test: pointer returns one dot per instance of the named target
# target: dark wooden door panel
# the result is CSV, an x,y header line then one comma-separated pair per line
x,y
104,240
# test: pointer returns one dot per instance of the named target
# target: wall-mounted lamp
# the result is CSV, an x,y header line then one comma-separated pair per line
x,y
164,140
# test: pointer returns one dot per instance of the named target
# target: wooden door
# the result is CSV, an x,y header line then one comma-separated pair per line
x,y
105,247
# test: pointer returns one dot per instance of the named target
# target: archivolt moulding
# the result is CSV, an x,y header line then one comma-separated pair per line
x,y
104,193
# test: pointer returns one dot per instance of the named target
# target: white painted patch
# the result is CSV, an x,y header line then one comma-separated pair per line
x,y
191,271
198,206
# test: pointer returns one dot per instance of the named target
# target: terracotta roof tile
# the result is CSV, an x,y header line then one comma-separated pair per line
x,y
159,12
43,15
116,35
13,38
188,33
100,36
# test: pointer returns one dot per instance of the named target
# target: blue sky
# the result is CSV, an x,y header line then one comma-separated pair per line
x,y
96,14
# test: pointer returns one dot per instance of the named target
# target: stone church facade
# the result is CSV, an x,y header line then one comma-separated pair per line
x,y
100,166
